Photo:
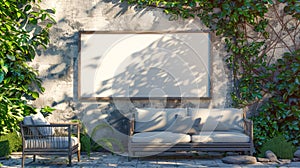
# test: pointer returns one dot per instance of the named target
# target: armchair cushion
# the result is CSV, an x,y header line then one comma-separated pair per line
x,y
50,143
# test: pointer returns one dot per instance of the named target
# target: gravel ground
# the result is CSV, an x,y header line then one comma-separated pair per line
x,y
108,160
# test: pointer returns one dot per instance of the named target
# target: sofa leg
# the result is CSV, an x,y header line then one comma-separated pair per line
x,y
129,159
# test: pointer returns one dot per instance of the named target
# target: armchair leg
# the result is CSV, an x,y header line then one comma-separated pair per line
x,y
70,160
78,155
23,160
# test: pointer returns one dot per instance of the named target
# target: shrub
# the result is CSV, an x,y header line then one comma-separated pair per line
x,y
4,148
14,143
279,146
85,142
280,113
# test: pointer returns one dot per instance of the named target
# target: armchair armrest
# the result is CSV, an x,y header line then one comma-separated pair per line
x,y
32,130
63,124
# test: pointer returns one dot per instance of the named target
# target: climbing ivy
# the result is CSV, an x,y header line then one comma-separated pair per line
x,y
24,28
262,41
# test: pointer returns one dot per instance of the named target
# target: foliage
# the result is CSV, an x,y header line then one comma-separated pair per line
x,y
256,34
24,27
278,114
85,142
14,142
106,142
279,145
4,148
90,143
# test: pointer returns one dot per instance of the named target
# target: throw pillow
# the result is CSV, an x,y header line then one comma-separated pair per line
x,y
28,121
38,119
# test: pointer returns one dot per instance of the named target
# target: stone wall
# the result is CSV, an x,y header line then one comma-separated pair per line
x,y
58,64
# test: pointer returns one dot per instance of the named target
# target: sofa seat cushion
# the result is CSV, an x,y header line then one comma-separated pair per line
x,y
160,137
220,136
50,143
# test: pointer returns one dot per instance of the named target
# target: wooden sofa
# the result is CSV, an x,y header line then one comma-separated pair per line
x,y
40,137
157,131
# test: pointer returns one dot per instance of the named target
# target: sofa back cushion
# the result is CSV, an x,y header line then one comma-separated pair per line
x,y
156,119
218,119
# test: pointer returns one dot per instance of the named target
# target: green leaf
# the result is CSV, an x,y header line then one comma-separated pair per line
x,y
35,95
11,57
19,14
4,68
27,8
1,76
43,17
7,3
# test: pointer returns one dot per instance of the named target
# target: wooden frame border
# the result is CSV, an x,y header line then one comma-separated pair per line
x,y
98,99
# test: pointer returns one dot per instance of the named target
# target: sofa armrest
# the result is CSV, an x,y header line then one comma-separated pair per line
x,y
131,125
249,128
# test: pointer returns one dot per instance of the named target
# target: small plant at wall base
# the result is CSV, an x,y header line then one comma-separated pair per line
x,y
279,145
90,143
257,34
24,28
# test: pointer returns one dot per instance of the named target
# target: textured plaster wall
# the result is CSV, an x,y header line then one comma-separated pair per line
x,y
58,64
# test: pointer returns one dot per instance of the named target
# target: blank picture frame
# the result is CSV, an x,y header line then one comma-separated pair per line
x,y
143,65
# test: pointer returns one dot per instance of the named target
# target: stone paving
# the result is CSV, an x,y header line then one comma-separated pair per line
x,y
108,160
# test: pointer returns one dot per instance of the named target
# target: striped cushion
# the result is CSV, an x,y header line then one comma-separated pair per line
x,y
50,143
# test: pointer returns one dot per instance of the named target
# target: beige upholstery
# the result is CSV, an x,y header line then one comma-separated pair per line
x,y
182,124
218,119
50,143
177,130
160,137
155,119
220,136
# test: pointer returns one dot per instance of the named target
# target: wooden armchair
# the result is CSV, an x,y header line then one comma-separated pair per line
x,y
50,139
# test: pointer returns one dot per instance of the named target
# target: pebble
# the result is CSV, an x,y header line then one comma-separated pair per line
x,y
239,159
105,160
